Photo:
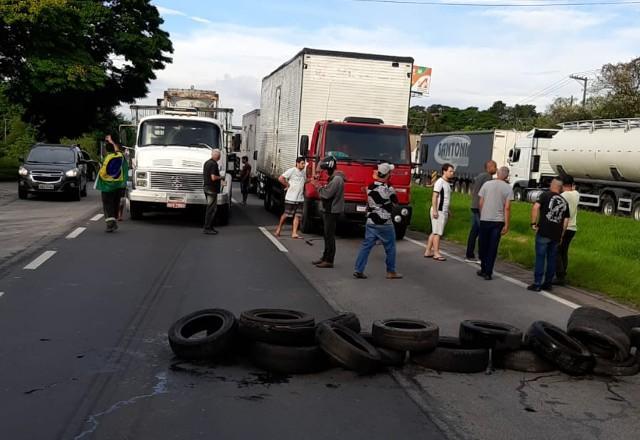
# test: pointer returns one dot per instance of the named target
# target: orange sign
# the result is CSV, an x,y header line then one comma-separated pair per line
x,y
421,79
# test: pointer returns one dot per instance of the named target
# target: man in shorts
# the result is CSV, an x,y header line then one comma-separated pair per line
x,y
439,212
293,181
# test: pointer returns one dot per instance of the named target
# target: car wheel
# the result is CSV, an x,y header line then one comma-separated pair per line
x,y
23,193
76,194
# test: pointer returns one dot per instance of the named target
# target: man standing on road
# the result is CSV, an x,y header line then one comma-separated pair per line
x,y
439,212
380,201
293,181
212,184
332,196
245,179
490,168
494,202
572,197
111,180
549,218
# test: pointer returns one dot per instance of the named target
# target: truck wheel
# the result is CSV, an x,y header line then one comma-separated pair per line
x,y
635,211
518,194
136,210
608,205
401,230
22,193
307,225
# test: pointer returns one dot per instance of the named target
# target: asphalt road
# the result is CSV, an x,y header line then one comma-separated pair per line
x,y
85,353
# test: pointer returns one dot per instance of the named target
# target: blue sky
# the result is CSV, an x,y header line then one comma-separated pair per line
x,y
478,54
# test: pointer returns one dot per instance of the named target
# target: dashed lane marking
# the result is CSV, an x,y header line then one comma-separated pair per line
x,y
76,232
273,239
504,277
97,217
40,260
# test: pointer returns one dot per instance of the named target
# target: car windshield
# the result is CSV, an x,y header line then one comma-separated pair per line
x,y
196,134
367,143
51,155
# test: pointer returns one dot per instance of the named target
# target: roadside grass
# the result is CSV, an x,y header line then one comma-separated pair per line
x,y
604,255
8,169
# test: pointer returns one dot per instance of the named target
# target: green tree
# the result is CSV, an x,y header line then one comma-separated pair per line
x,y
68,63
618,86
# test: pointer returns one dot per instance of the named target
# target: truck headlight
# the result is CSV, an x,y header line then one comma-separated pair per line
x,y
72,173
404,212
141,174
141,182
23,171
397,219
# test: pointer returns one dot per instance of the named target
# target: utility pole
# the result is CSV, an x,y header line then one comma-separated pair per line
x,y
584,80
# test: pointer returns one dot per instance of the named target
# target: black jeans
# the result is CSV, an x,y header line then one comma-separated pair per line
x,y
111,204
473,233
212,205
490,233
330,221
244,189
562,259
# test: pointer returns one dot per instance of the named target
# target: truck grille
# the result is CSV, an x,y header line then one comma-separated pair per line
x,y
176,181
46,176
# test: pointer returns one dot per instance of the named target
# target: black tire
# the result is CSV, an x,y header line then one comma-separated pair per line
x,y
307,225
608,205
487,334
522,360
556,346
628,367
401,230
593,315
288,360
278,327
635,338
452,357
405,334
347,319
605,340
518,194
348,348
631,321
635,211
388,357
136,210
220,326
23,194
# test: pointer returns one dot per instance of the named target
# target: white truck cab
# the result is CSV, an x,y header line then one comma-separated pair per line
x,y
170,151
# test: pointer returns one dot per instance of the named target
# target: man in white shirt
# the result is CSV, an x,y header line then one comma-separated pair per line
x,y
293,181
572,197
440,200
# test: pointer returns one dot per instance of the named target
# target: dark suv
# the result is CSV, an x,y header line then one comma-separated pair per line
x,y
52,168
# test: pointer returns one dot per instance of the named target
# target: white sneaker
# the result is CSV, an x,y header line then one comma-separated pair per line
x,y
471,260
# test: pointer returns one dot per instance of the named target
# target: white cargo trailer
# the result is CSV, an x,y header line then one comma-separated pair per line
x,y
249,145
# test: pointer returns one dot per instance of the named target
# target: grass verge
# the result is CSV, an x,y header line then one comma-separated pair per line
x,y
604,255
8,169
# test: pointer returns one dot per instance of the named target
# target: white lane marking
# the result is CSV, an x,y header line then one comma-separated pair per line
x,y
41,259
504,277
234,201
97,217
76,232
273,239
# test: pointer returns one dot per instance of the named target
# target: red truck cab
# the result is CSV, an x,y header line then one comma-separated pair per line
x,y
358,145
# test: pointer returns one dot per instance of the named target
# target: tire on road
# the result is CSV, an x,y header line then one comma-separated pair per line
x,y
628,367
405,334
523,360
487,334
278,327
347,319
389,358
605,341
556,346
288,360
594,315
452,357
348,348
220,328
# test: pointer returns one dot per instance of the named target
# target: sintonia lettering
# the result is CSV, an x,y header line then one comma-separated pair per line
x,y
453,149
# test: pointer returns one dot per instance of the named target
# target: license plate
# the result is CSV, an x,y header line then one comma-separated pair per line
x,y
45,186
361,209
176,202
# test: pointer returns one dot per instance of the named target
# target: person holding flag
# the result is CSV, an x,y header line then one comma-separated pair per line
x,y
111,180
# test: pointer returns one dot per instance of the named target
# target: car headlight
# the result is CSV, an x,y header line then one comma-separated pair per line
x,y
404,212
397,219
23,171
72,173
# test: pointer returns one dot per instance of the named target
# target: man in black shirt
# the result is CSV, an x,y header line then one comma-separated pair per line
x,y
245,179
212,181
550,218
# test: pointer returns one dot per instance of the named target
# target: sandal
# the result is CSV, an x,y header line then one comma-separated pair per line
x,y
441,258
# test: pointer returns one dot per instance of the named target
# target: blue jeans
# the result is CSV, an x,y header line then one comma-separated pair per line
x,y
546,250
387,235
490,233
473,233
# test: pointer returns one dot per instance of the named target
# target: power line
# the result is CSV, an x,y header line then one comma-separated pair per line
x,y
503,5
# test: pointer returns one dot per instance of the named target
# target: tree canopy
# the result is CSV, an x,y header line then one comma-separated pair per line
x,y
68,63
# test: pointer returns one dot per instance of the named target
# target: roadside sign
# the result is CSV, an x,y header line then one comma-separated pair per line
x,y
421,80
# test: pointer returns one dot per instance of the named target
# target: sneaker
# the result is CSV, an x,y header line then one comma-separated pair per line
x,y
534,288
325,265
359,275
472,260
394,275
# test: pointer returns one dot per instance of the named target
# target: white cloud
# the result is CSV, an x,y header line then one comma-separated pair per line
x,y
549,19
168,11
200,20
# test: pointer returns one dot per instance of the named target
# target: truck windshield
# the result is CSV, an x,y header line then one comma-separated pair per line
x,y
367,143
51,155
196,134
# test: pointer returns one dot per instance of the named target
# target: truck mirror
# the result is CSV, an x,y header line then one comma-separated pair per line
x,y
236,141
510,154
304,145
255,155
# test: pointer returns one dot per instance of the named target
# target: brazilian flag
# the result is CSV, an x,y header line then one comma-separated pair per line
x,y
113,173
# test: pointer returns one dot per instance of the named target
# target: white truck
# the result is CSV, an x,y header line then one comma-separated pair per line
x,y
172,144
249,145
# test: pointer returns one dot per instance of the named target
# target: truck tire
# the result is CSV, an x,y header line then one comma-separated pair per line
x,y
401,230
452,357
348,348
608,205
219,325
307,225
518,194
635,211
136,210
405,334
556,346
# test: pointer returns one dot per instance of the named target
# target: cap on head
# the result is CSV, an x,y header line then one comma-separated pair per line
x,y
384,169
